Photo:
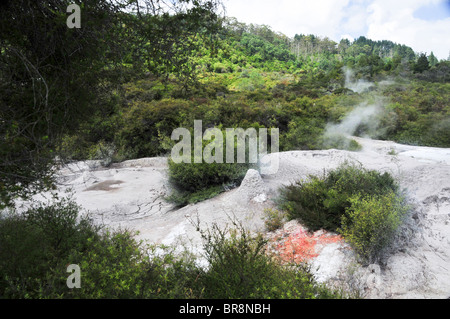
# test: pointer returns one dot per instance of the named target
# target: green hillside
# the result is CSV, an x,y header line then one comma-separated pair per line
x,y
252,76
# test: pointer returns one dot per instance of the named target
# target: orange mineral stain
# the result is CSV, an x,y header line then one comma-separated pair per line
x,y
301,246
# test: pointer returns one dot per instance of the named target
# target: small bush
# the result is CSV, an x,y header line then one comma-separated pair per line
x,y
274,219
305,201
370,224
197,181
321,202
193,177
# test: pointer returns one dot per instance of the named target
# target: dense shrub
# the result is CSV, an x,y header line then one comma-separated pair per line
x,y
198,181
364,206
146,124
303,134
32,244
194,182
118,266
239,267
194,177
370,224
36,248
321,202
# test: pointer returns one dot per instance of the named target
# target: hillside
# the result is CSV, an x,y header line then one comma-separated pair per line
x,y
255,77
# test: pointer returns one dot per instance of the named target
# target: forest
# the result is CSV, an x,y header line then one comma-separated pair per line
x,y
116,88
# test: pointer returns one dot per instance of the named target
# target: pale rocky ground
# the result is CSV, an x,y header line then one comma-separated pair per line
x,y
131,195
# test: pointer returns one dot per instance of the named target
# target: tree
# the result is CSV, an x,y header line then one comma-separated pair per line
x,y
432,59
422,64
48,77
168,36
344,44
53,77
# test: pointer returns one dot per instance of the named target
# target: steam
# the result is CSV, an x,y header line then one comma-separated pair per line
x,y
364,120
364,115
358,86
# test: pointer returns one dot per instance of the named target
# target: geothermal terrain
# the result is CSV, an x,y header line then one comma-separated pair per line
x,y
131,195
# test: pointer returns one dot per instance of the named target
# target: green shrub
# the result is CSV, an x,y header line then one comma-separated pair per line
x,y
240,267
303,133
370,224
197,181
340,142
36,248
23,256
321,202
34,242
305,201
194,177
194,182
118,266
362,205
111,266
273,219
147,124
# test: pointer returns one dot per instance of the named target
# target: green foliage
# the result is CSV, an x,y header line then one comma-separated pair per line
x,y
299,96
422,64
118,266
261,50
419,115
362,205
197,176
321,202
340,142
273,219
50,78
54,78
239,267
249,81
33,243
145,124
37,247
370,224
197,181
110,267
302,134
305,201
